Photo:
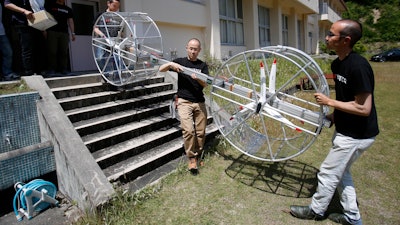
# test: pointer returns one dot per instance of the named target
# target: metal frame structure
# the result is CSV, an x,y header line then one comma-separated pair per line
x,y
255,99
122,54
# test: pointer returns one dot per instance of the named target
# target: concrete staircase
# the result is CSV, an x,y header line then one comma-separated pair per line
x,y
129,133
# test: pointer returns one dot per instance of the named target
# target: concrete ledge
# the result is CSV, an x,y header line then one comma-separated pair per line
x,y
79,176
23,151
55,82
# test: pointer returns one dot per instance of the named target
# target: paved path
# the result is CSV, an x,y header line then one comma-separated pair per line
x,y
48,217
64,214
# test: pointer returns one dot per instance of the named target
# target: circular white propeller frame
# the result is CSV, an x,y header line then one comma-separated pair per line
x,y
262,101
123,55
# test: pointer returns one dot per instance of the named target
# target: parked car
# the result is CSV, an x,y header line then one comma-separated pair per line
x,y
390,55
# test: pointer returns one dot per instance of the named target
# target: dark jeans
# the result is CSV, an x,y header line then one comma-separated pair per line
x,y
6,52
32,48
57,50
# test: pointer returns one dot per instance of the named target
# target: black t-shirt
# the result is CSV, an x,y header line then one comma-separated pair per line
x,y
113,23
353,76
189,88
61,13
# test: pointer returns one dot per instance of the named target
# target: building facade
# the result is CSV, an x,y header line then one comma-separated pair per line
x,y
225,27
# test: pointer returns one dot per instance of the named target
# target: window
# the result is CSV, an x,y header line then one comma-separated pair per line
x,y
231,22
300,35
85,13
323,7
285,30
264,30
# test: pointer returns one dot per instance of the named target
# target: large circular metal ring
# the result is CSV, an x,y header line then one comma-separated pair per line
x,y
262,101
123,54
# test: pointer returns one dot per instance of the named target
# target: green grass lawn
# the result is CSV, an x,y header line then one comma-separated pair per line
x,y
235,189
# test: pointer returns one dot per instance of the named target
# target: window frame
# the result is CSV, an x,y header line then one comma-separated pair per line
x,y
231,22
264,29
285,30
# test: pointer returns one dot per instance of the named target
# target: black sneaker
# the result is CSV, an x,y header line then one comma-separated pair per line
x,y
65,72
11,76
304,212
342,219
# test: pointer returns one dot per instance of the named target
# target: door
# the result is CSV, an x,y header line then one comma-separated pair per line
x,y
81,56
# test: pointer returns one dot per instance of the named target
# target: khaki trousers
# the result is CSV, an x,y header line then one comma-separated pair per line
x,y
193,123
335,174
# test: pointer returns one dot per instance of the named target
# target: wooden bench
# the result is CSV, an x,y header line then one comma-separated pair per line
x,y
306,85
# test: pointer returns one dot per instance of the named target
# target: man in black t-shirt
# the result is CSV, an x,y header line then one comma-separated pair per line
x,y
113,22
107,28
57,37
191,107
356,126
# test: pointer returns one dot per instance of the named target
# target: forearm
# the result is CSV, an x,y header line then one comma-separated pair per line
x,y
357,107
201,82
165,67
98,32
170,66
71,25
15,8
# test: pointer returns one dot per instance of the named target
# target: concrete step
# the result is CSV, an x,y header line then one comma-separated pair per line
x,y
108,156
146,162
125,132
131,168
76,90
106,108
83,87
129,131
85,127
80,101
56,82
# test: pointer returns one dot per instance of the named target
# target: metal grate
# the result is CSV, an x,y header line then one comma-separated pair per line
x,y
19,123
22,155
25,165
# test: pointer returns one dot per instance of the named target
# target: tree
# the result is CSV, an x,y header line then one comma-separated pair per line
x,y
387,25
383,28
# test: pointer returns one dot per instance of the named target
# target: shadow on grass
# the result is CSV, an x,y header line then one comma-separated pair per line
x,y
287,178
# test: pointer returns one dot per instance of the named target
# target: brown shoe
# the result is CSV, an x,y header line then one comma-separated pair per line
x,y
193,165
201,163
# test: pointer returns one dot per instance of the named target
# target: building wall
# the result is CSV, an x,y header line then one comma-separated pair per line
x,y
329,12
179,20
175,38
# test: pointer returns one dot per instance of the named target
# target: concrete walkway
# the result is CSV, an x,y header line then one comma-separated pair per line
x,y
48,217
63,214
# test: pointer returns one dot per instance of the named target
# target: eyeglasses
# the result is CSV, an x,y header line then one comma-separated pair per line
x,y
330,34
